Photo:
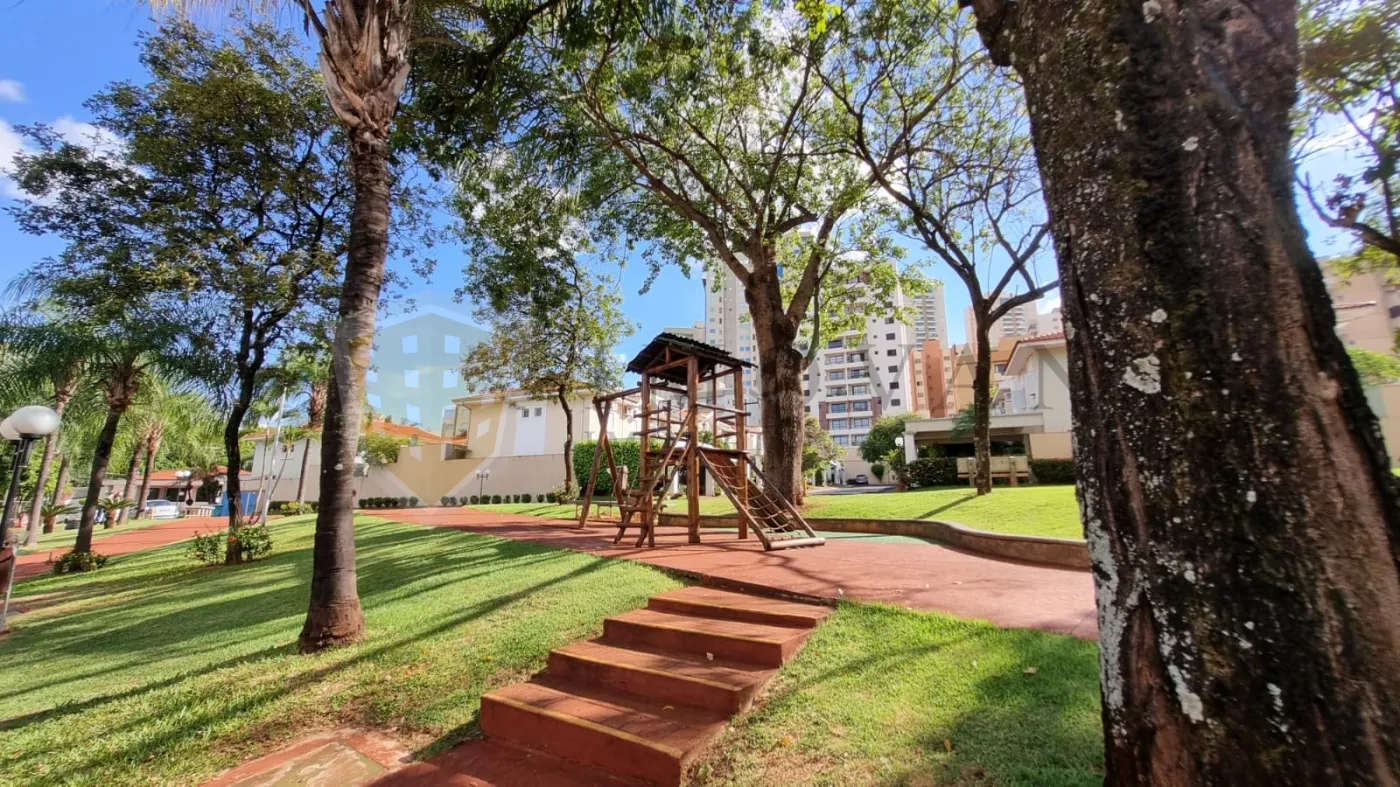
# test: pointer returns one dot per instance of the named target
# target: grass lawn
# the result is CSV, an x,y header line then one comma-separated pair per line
x,y
883,695
1025,510
155,670
64,539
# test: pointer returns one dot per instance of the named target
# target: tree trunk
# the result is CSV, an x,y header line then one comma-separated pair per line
x,y
233,447
301,476
152,451
63,393
101,456
1238,503
59,482
568,440
334,616
780,375
982,404
129,488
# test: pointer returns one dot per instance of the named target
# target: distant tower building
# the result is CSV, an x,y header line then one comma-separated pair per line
x,y
930,316
694,332
1048,323
415,366
727,326
1018,322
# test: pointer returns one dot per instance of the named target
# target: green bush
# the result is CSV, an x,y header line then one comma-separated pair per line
x,y
293,508
934,471
549,497
1052,471
73,562
251,541
495,500
627,453
475,500
412,502
877,469
403,502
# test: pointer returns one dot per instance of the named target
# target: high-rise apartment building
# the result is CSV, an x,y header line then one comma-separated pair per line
x,y
1019,321
932,365
930,316
1048,324
727,326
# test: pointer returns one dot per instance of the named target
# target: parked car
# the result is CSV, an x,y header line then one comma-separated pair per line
x,y
163,509
861,480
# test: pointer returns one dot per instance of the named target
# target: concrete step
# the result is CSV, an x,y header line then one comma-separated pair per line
x,y
716,603
669,678
617,733
751,643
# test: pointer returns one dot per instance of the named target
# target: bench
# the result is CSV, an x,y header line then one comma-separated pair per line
x,y
1009,468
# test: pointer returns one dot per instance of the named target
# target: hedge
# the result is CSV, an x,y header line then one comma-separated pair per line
x,y
1053,471
934,471
627,453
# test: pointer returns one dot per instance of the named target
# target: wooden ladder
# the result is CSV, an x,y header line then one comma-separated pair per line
x,y
649,496
772,517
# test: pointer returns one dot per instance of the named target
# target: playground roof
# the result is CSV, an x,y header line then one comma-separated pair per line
x,y
709,357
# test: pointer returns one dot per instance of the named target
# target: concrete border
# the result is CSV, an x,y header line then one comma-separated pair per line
x,y
1043,550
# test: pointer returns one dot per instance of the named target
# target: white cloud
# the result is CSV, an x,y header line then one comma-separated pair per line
x,y
87,135
1047,304
12,91
10,144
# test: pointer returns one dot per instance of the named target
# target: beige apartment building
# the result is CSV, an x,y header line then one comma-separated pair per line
x,y
1367,306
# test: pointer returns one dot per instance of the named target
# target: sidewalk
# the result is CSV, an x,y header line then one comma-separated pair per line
x,y
906,572
157,535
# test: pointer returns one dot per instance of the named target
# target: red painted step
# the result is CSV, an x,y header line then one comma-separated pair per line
x,y
673,678
619,733
751,643
716,603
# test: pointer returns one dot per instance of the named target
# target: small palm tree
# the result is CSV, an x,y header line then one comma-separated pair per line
x,y
50,512
111,505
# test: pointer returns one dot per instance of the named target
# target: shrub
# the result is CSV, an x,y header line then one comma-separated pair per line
x,y
877,469
495,500
1052,471
293,508
403,502
207,548
475,500
564,493
550,497
252,541
627,453
412,502
934,471
73,562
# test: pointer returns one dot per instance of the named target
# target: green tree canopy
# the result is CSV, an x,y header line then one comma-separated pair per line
x,y
879,441
1375,368
818,449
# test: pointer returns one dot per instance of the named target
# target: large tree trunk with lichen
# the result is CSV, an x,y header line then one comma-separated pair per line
x,y
334,616
982,403
780,368
1236,495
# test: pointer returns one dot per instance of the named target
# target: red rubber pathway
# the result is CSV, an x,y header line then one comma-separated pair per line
x,y
913,574
157,535
634,706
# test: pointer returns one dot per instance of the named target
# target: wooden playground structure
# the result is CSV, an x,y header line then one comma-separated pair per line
x,y
675,371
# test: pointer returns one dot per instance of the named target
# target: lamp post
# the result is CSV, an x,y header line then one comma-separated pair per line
x,y
22,428
183,475
481,476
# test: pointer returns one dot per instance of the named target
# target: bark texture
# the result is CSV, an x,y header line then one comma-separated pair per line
x,y
64,392
58,484
101,457
152,451
563,397
982,404
233,449
334,616
129,488
780,368
1236,495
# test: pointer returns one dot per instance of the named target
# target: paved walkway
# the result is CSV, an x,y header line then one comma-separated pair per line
x,y
916,575
157,535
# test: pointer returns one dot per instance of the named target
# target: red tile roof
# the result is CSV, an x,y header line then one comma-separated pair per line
x,y
1361,305
379,427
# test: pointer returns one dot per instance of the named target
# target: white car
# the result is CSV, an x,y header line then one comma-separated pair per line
x,y
163,509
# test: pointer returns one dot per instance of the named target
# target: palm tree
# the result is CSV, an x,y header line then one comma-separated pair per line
x,y
169,411
112,506
50,512
54,351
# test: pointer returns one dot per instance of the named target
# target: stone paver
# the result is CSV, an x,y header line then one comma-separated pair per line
x,y
916,575
157,535
340,758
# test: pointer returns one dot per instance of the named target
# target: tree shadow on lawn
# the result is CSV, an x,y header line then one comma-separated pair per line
x,y
194,723
947,506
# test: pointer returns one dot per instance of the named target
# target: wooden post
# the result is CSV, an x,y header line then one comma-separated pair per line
x,y
643,449
602,410
692,459
741,439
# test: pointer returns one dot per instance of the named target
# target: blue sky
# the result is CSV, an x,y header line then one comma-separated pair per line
x,y
54,54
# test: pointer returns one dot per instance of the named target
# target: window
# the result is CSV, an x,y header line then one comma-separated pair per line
x,y
860,423
892,353
1001,368
410,345
841,439
804,378
452,344
413,413
834,344
806,391
839,390
836,375
539,412
894,403
857,440
410,378
860,390
840,407
889,337
449,378
889,321
374,400
855,358
894,386
371,376
524,412
857,407
839,424
836,358
894,369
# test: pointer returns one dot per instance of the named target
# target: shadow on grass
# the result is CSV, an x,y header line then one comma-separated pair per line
x,y
948,506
